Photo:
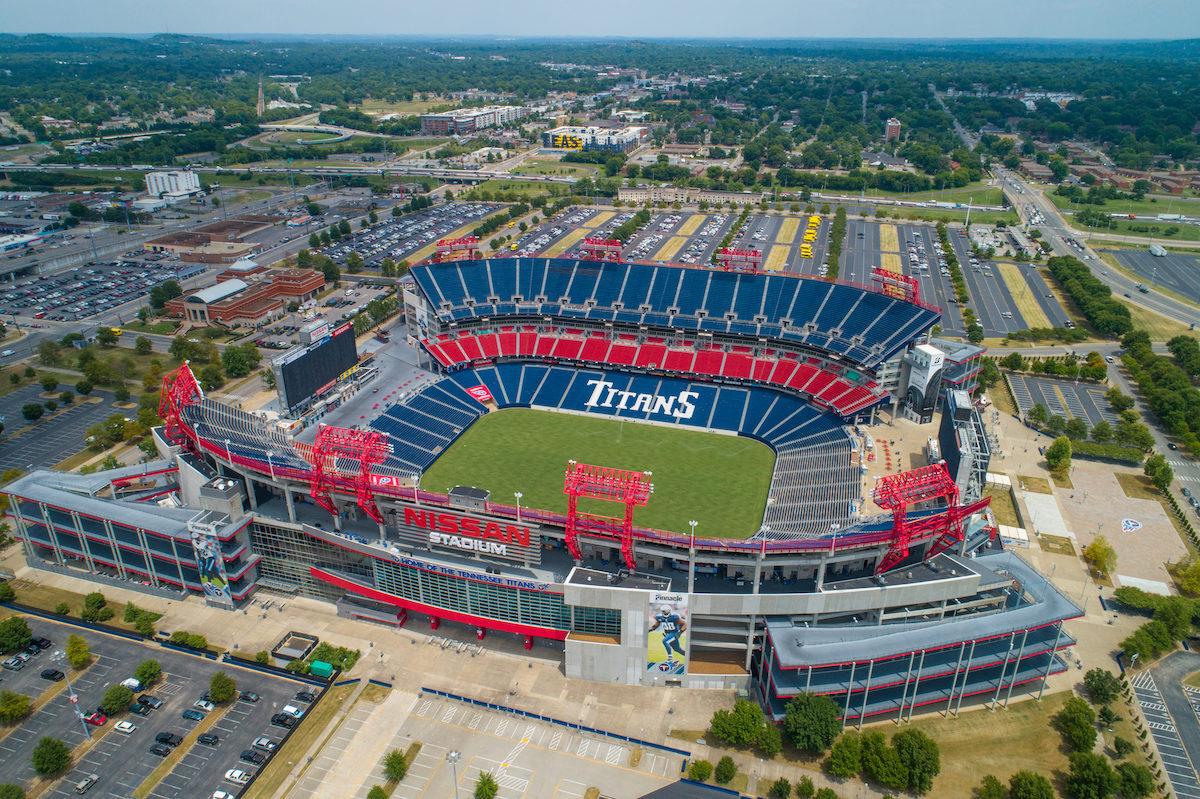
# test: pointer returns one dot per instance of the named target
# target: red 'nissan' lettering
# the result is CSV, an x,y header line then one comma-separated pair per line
x,y
462,525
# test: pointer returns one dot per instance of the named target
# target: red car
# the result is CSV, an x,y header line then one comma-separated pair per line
x,y
95,718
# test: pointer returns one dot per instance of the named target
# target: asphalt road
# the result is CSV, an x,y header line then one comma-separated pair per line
x,y
1173,271
1169,673
1152,689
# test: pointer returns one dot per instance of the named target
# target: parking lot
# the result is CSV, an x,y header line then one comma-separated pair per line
x,y
86,290
124,761
1175,271
398,238
1062,398
50,442
1176,763
335,308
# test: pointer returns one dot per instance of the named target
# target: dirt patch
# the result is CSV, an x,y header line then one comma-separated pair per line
x,y
1059,545
1037,485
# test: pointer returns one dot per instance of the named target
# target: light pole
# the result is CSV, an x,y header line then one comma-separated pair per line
x,y
417,489
692,523
60,659
518,495
452,758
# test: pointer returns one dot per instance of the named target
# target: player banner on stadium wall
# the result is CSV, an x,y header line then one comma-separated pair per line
x,y
666,642
211,566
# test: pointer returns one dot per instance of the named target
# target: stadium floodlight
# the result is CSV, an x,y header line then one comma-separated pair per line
x,y
518,495
692,523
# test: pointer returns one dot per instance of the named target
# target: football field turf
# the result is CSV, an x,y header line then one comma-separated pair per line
x,y
720,481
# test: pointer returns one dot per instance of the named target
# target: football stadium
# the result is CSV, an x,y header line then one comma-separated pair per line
x,y
659,472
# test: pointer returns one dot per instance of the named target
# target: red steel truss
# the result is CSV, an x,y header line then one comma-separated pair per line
x,y
179,389
632,489
601,249
456,249
895,284
739,260
358,451
897,492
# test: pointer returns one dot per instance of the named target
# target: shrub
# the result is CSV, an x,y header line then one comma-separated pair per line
x,y
726,769
377,792
13,707
262,656
197,641
116,698
62,609
148,672
1077,723
394,766
700,770
7,593
221,687
845,758
781,789
805,788
50,756
78,651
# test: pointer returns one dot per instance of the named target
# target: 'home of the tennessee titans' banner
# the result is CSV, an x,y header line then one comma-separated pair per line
x,y
641,397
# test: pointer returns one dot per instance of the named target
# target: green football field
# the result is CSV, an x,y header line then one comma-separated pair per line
x,y
720,481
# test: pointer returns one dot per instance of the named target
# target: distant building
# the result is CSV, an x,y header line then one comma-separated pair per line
x,y
892,130
464,121
594,138
257,295
170,185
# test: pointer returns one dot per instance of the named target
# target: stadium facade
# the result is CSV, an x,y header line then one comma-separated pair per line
x,y
916,607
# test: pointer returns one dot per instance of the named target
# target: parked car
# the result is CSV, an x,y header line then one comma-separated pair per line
x,y
250,756
203,704
264,743
141,710
152,702
13,664
306,696
95,718
42,643
208,739
236,775
280,720
53,675
193,715
160,750
169,739
249,696
124,727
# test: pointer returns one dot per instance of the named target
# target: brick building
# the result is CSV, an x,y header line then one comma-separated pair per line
x,y
251,298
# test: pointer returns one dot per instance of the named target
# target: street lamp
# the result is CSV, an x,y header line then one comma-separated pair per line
x,y
60,659
692,523
518,495
452,758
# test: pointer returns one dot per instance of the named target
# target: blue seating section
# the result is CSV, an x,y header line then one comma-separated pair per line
x,y
864,326
421,426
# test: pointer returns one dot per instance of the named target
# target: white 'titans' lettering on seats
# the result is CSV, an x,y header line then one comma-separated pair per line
x,y
603,394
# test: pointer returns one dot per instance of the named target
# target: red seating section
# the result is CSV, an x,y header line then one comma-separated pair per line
x,y
806,375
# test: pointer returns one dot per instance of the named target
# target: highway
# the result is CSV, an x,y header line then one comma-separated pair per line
x,y
1056,230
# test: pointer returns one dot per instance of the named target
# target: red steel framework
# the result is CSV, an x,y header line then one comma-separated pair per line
x,y
456,249
601,249
732,259
632,489
897,492
361,450
179,389
896,284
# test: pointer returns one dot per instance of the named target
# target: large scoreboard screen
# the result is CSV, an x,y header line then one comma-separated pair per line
x,y
316,368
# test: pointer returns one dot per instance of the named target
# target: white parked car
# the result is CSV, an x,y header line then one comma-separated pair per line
x,y
238,776
124,727
201,704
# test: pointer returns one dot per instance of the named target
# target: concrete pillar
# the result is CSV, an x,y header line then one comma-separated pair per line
x,y
291,506
966,672
912,703
84,546
1050,662
1016,667
250,493
821,575
866,694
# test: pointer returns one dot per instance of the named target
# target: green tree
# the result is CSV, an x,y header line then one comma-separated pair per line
x,y
921,756
314,241
805,788
106,336
1117,400
1058,455
10,791
726,770
485,784
1077,429
344,227
845,758
32,411
15,634
95,606
1102,685
1175,613
50,756
811,722
1123,746
354,263
377,792
221,687
50,352
1013,361
143,346
700,770
1134,781
770,740
148,672
78,651
881,762
1077,723
13,707
1038,414
83,388
240,359
1056,424
394,766
1091,776
740,726
7,592
116,698
1102,432
1101,555
211,377
1159,471
826,793
990,788
1027,785
780,789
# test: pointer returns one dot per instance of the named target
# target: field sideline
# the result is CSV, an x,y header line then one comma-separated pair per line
x,y
720,481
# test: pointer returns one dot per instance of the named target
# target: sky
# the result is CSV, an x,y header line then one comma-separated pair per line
x,y
918,19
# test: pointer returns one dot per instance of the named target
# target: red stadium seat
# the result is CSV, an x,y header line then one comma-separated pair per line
x,y
679,360
595,349
708,362
568,348
489,345
763,369
739,366
651,355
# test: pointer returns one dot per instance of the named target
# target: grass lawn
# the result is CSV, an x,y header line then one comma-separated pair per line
x,y
1022,295
1058,544
952,215
1038,485
1002,506
45,597
980,742
525,188
978,194
1192,679
1174,205
315,721
1158,326
302,137
1147,228
163,327
553,168
720,481
1000,397
247,197
408,107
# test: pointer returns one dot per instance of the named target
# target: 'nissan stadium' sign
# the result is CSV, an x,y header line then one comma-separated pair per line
x,y
449,531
